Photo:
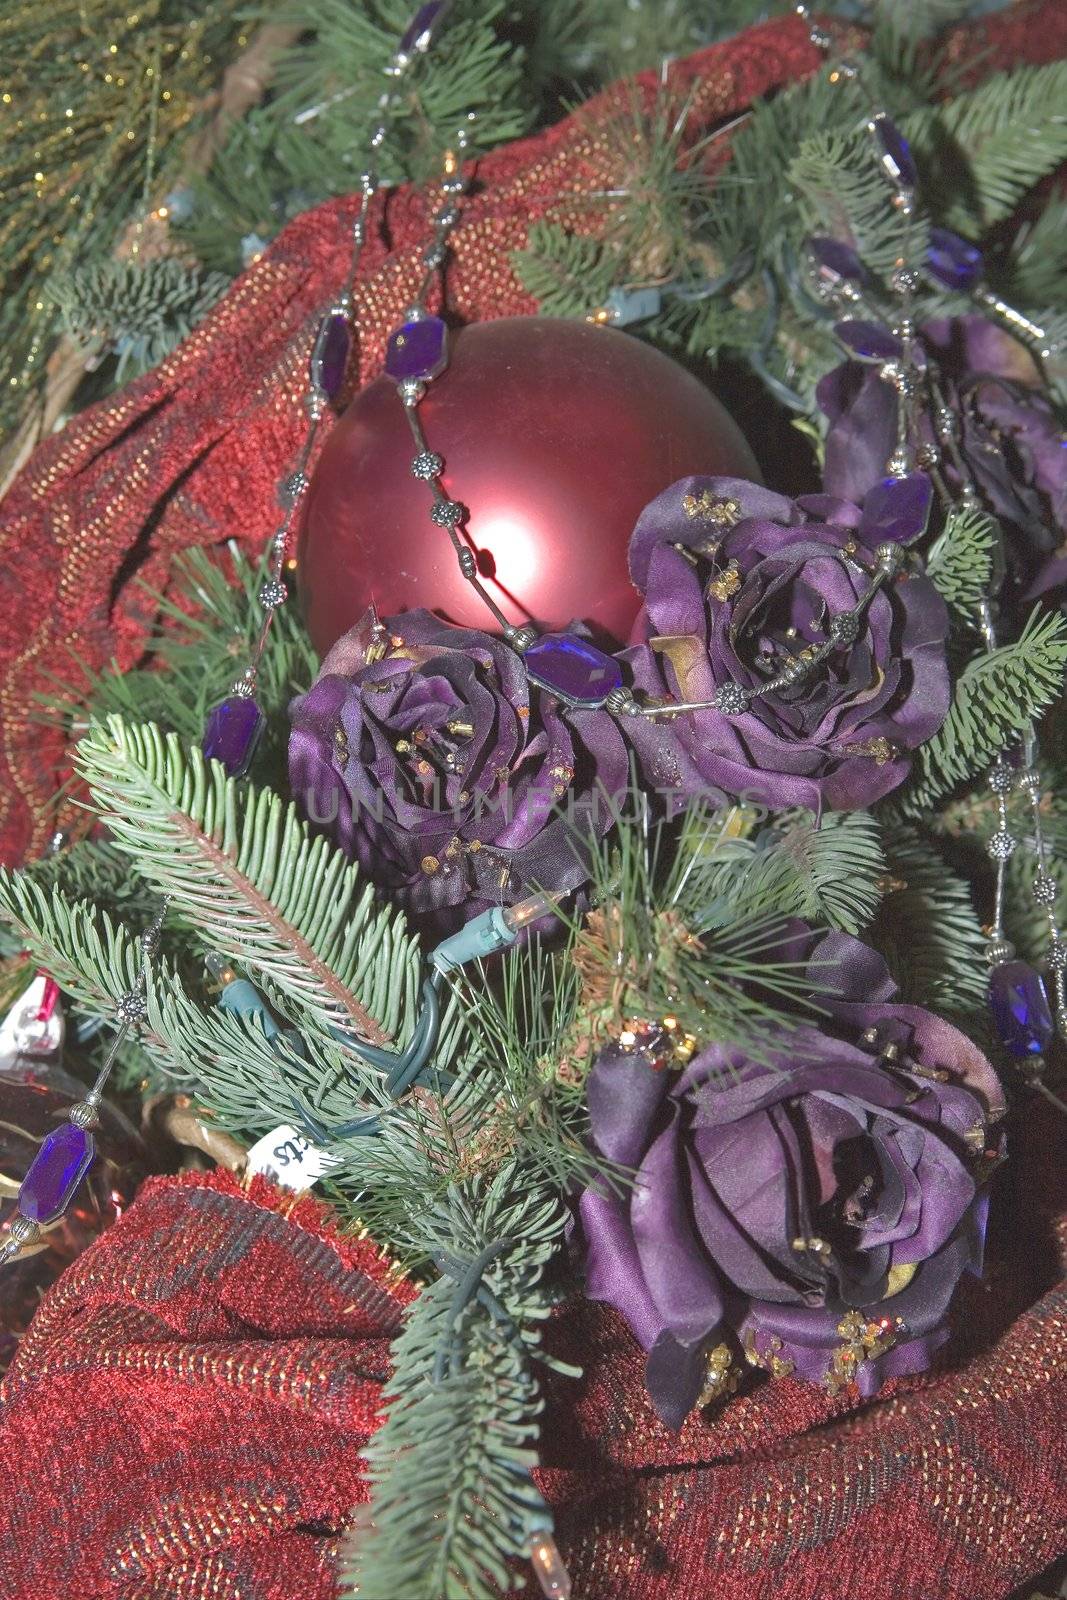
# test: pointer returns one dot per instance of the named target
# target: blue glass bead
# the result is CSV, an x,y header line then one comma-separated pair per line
x,y
954,262
55,1173
868,341
899,508
1019,1003
894,154
417,350
232,733
418,35
835,263
573,669
330,355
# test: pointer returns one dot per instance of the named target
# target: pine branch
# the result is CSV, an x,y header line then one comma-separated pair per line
x,y
829,873
960,562
996,697
94,960
928,930
846,196
982,151
139,309
452,1500
245,871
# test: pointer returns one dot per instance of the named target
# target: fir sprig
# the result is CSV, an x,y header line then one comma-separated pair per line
x,y
960,562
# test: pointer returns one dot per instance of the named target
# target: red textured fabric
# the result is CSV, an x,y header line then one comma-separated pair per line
x,y
185,1416
190,455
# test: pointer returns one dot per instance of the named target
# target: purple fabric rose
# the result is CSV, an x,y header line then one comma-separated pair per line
x,y
736,581
817,1210
1009,438
423,750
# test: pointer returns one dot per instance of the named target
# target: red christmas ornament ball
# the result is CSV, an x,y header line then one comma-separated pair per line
x,y
555,435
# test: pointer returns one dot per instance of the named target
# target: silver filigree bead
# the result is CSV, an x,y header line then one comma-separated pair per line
x,y
273,594
468,563
427,465
291,488
24,1230
132,1007
731,699
84,1114
998,950
905,280
621,703
1001,778
521,639
1001,845
1057,958
889,557
1045,889
446,513
844,628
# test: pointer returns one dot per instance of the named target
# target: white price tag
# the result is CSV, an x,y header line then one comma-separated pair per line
x,y
287,1157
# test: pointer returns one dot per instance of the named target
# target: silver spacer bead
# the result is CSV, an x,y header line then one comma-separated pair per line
x,y
890,557
433,255
468,563
456,184
447,217
905,280
1029,783
273,594
1045,889
427,465
998,950
84,1114
928,455
291,488
246,684
947,423
844,628
621,703
315,404
1001,845
521,639
1057,958
731,699
132,1007
446,513
359,230
24,1230
899,463
411,391
1001,778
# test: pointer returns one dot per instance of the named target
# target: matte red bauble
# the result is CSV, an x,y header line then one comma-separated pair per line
x,y
555,435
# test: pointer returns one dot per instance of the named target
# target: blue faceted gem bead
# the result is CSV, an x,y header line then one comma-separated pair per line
x,y
57,1169
418,35
573,669
417,350
899,508
953,261
835,263
894,153
1021,1012
868,341
232,733
330,355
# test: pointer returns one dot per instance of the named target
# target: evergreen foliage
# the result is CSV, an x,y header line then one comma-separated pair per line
x,y
139,310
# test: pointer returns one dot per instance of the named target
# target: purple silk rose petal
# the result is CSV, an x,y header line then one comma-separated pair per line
x,y
796,1205
422,751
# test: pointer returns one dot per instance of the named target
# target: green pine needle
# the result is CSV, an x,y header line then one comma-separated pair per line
x,y
960,562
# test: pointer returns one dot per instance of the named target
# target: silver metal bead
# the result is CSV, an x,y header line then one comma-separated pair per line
x,y
946,422
928,455
24,1230
899,463
521,639
1001,778
411,391
427,465
621,703
132,1007
84,1114
731,699
889,556
291,488
998,950
1057,958
315,404
1001,845
456,184
447,217
433,255
1028,783
446,513
273,594
245,685
1045,889
905,280
359,230
468,563
844,628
